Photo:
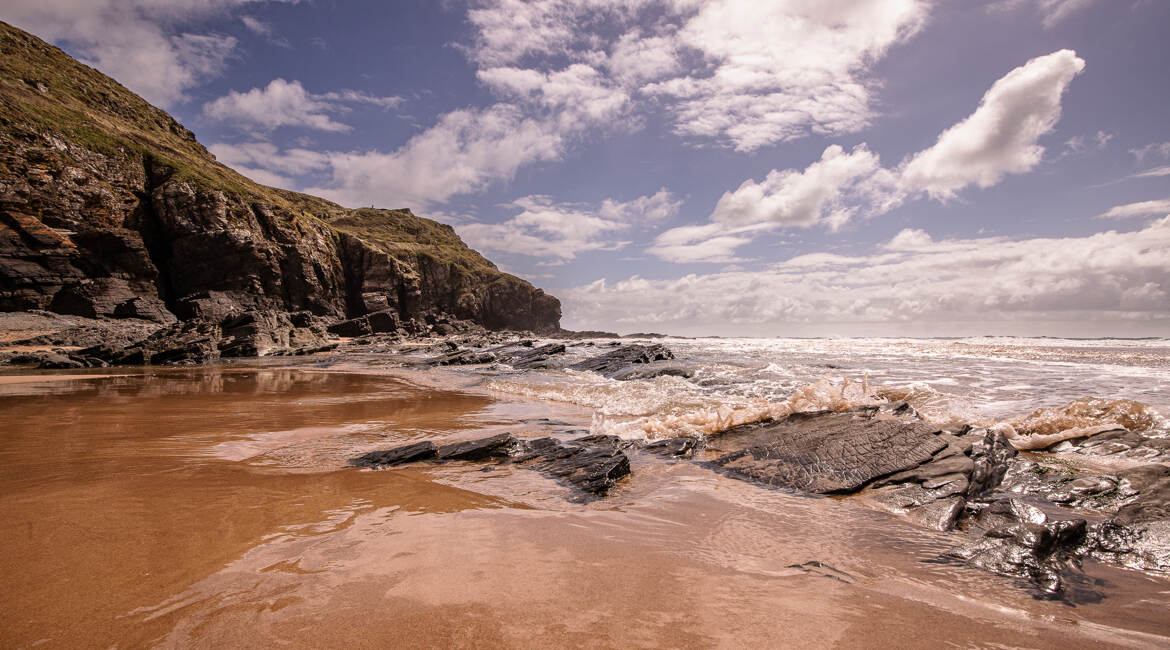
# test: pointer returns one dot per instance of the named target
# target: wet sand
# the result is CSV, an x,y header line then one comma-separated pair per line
x,y
212,507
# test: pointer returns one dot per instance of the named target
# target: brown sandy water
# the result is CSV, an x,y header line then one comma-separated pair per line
x,y
212,507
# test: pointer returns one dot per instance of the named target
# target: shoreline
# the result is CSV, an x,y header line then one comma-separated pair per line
x,y
678,517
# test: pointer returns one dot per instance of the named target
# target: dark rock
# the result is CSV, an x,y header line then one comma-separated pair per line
x,y
591,469
592,464
1019,541
650,371
383,321
398,455
54,361
615,360
246,334
826,452
534,358
940,514
991,453
500,446
352,328
684,447
461,358
1153,504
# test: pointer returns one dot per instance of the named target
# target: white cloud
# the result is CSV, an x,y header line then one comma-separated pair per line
x,y
783,68
746,73
657,207
545,228
264,30
577,97
287,103
820,193
637,58
257,26
1153,173
265,163
1140,209
361,97
469,149
1107,276
281,103
1051,11
465,151
1077,144
1001,136
141,43
1160,149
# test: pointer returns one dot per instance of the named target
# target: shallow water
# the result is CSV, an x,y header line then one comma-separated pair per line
x,y
212,506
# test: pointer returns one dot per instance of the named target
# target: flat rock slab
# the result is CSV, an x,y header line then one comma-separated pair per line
x,y
826,452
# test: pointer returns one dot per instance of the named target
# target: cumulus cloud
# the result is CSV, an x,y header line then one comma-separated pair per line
x,y
141,43
281,103
778,70
287,103
712,243
577,97
265,163
465,151
1001,137
654,208
545,228
826,191
744,73
1140,209
1106,276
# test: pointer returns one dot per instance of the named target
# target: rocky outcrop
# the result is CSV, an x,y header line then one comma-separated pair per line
x,y
111,209
826,452
615,361
593,464
248,334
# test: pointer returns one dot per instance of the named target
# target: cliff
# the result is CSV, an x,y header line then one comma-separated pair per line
x,y
110,208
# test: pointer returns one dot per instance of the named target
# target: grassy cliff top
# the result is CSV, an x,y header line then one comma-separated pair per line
x,y
46,92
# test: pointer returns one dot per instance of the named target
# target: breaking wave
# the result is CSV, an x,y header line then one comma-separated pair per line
x,y
1038,388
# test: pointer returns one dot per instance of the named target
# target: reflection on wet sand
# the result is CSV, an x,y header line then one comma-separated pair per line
x,y
212,507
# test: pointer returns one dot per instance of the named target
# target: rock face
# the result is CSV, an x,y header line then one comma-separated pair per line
x,y
110,208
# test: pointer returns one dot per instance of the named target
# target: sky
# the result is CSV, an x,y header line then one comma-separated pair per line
x,y
719,167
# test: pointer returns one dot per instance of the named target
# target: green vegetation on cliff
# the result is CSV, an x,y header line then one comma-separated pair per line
x,y
62,121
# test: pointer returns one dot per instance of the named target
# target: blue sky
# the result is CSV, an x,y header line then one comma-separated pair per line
x,y
795,167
